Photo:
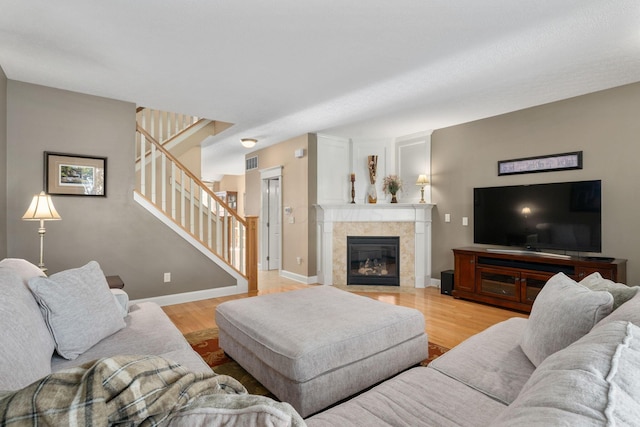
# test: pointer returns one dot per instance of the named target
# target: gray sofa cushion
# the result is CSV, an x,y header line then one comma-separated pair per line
x,y
621,292
491,362
563,312
27,345
148,331
24,268
629,311
78,307
122,299
594,381
417,397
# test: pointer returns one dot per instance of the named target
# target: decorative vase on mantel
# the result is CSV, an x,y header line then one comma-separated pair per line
x,y
372,194
372,165
393,198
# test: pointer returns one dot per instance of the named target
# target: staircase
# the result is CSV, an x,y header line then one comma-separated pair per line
x,y
181,200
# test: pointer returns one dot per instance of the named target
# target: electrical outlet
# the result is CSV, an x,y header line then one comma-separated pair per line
x,y
167,277
447,217
465,221
299,260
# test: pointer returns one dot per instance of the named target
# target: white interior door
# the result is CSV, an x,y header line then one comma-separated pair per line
x,y
274,225
270,219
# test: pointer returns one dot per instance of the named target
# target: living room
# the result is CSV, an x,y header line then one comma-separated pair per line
x,y
574,360
601,124
38,118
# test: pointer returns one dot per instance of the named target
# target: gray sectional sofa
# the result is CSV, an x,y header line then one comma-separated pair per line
x,y
69,338
575,361
100,324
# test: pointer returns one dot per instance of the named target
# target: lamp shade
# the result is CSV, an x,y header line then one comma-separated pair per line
x,y
248,142
422,180
41,208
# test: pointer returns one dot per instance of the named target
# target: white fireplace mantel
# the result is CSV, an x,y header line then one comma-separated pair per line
x,y
419,214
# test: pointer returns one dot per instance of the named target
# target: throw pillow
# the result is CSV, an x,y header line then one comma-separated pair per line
x,y
24,268
563,312
621,292
78,308
629,311
27,346
594,381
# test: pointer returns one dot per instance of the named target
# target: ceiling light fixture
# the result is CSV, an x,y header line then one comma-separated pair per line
x,y
248,142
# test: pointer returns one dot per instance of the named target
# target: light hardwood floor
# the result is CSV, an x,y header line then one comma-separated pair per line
x,y
449,321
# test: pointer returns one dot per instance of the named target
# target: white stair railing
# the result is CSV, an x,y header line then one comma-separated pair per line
x,y
162,125
165,183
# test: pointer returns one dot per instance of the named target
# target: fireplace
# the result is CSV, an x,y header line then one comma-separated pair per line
x,y
411,222
373,260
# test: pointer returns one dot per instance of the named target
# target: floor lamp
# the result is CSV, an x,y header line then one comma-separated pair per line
x,y
41,209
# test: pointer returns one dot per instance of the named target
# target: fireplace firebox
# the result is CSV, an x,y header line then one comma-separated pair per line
x,y
373,260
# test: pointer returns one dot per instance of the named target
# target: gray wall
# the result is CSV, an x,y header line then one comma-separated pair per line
x,y
3,164
604,125
115,231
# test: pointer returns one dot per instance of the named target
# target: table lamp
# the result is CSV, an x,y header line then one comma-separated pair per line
x,y
422,181
41,209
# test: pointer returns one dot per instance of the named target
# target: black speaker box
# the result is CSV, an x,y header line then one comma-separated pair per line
x,y
446,282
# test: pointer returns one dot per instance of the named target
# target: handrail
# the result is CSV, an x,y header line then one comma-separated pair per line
x,y
188,173
180,195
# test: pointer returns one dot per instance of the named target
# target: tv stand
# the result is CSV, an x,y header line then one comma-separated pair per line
x,y
512,278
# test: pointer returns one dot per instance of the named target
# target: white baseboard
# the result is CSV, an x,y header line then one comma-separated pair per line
x,y
193,296
307,280
435,283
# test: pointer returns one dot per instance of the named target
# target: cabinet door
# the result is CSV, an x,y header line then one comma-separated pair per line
x,y
498,283
582,272
465,272
531,284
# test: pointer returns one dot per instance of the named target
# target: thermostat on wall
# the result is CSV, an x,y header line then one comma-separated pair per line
x,y
299,153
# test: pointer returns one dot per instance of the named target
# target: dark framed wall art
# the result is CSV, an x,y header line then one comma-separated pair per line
x,y
552,162
75,175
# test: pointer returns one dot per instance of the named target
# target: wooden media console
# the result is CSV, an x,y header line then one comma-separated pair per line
x,y
513,279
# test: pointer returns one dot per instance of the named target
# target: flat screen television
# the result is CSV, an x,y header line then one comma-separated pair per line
x,y
563,216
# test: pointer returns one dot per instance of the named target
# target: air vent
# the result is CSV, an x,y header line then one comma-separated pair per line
x,y
251,163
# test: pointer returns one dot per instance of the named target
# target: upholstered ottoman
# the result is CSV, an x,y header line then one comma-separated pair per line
x,y
314,347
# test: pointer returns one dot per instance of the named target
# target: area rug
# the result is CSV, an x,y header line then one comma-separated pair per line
x,y
205,343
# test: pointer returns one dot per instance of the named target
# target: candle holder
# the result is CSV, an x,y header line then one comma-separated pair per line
x,y
353,189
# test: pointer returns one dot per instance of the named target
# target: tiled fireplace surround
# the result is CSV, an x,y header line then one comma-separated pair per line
x,y
411,222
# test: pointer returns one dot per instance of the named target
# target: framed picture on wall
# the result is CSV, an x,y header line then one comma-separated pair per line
x,y
75,174
552,162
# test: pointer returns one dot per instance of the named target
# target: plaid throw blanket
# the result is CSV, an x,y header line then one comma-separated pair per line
x,y
123,390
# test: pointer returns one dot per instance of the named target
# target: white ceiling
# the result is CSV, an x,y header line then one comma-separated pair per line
x,y
352,68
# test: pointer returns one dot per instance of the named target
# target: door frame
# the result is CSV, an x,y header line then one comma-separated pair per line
x,y
265,175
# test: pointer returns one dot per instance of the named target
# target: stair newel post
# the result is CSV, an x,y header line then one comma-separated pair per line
x,y
251,252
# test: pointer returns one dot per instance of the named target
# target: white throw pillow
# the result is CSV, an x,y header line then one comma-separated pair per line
x,y
78,308
563,312
621,292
